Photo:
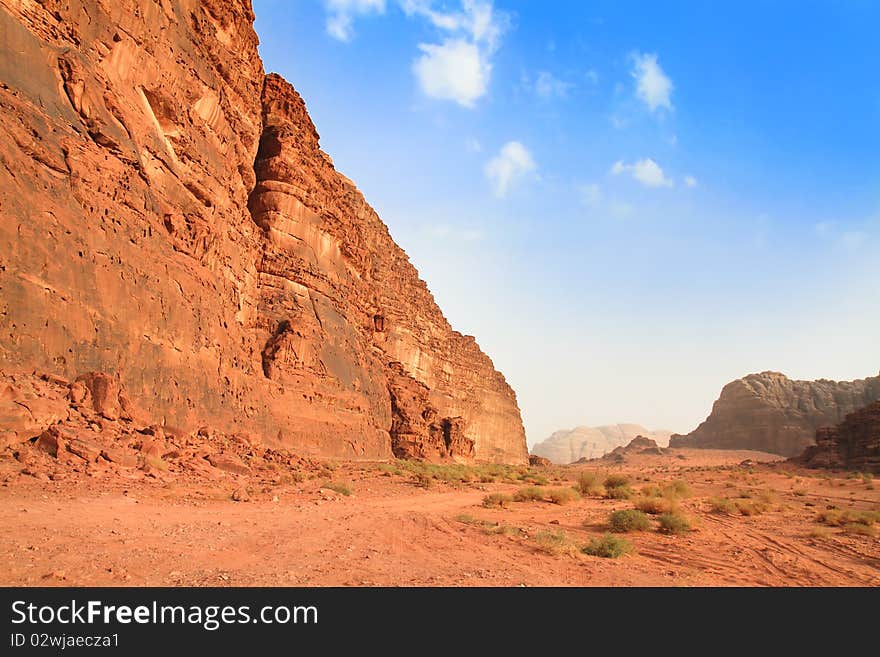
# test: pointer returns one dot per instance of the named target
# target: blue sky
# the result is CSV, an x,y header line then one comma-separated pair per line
x,y
627,203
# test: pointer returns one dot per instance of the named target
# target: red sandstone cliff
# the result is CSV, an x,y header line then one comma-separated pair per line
x,y
167,215
771,413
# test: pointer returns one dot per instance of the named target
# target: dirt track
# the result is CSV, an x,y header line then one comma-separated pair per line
x,y
114,530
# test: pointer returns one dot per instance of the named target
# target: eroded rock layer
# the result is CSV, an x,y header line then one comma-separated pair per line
x,y
771,413
854,444
167,216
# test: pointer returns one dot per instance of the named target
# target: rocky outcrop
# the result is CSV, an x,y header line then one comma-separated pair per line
x,y
854,444
769,412
539,461
167,217
570,445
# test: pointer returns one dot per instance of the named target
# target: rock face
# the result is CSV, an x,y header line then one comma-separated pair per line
x,y
570,445
167,217
853,444
771,413
638,445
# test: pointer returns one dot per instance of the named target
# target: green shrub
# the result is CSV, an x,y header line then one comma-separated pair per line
x,y
563,495
528,494
608,546
673,523
628,520
497,499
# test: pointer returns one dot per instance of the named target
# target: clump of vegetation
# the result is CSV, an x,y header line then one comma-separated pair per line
x,y
819,532
389,469
555,542
563,495
839,518
677,488
500,500
674,523
588,484
655,505
608,546
859,529
500,529
751,507
651,490
620,493
722,505
628,520
339,487
616,481
528,494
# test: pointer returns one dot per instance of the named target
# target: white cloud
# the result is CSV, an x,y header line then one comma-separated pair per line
x,y
341,14
473,145
645,171
548,86
591,194
652,84
458,68
454,70
690,181
510,166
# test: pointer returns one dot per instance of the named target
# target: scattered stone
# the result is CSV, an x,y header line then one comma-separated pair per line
x,y
228,464
241,495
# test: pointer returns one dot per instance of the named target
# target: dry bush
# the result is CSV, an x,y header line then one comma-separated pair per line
x,y
674,523
563,495
656,505
500,500
555,542
528,494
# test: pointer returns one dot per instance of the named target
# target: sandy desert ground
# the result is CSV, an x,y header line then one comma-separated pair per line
x,y
405,524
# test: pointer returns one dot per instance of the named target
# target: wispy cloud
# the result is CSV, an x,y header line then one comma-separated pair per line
x,y
591,194
653,86
341,15
690,181
548,86
512,165
645,171
459,67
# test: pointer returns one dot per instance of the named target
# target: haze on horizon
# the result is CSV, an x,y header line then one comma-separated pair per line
x,y
627,205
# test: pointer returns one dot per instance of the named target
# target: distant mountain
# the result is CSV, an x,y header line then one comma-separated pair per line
x,y
769,412
569,445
